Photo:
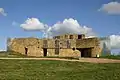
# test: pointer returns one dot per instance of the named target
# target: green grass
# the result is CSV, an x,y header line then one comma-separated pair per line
x,y
11,54
111,57
57,70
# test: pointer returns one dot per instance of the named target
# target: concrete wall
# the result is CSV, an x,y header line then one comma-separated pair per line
x,y
96,50
69,53
92,43
87,43
67,36
35,46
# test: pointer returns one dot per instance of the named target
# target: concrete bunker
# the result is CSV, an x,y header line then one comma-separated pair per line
x,y
64,45
85,52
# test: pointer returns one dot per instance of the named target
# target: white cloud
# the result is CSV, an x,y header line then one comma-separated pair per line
x,y
111,8
115,41
32,24
2,50
3,12
69,26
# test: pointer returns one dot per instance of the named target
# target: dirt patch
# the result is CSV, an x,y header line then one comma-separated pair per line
x,y
99,60
91,60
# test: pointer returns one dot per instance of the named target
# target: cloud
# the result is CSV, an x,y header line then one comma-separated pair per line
x,y
2,50
111,8
115,41
33,24
69,26
3,12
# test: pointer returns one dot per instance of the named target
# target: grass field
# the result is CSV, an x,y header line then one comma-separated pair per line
x,y
57,70
112,57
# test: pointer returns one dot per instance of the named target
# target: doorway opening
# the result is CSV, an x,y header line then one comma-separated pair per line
x,y
45,52
85,52
71,36
79,36
26,50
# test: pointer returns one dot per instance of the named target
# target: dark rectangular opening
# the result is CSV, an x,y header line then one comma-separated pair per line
x,y
26,50
57,37
57,47
71,36
79,36
45,52
85,52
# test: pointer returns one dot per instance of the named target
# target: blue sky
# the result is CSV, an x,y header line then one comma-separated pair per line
x,y
51,11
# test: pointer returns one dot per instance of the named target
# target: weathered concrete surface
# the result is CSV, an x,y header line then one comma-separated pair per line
x,y
65,45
